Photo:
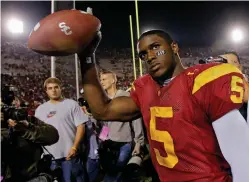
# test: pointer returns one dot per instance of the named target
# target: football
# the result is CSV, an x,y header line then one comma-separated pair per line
x,y
63,33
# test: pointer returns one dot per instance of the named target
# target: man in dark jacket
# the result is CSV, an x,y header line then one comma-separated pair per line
x,y
21,148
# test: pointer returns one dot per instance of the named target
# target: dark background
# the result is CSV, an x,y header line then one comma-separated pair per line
x,y
190,23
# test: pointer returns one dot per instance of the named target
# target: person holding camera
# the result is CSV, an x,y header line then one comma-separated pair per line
x,y
68,118
22,139
91,142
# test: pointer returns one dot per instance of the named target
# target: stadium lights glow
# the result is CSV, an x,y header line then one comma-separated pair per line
x,y
15,26
147,29
237,35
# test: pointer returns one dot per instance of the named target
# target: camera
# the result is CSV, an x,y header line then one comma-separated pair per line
x,y
10,111
44,167
211,59
82,102
133,171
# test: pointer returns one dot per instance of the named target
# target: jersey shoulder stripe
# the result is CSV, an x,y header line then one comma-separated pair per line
x,y
212,73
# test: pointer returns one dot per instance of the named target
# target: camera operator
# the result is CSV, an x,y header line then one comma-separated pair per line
x,y
91,142
22,139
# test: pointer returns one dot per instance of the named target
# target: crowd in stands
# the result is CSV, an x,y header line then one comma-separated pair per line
x,y
27,70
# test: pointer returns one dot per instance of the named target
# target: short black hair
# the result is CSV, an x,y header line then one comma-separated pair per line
x,y
160,33
234,53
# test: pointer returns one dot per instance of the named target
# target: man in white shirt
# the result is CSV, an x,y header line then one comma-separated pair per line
x,y
68,118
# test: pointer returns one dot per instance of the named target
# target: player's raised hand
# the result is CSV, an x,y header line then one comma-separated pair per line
x,y
91,48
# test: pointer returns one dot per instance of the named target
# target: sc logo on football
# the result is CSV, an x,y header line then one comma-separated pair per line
x,y
64,28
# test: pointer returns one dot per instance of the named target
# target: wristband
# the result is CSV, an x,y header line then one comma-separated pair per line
x,y
90,59
74,148
86,62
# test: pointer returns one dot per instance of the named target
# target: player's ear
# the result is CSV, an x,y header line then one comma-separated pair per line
x,y
114,78
174,47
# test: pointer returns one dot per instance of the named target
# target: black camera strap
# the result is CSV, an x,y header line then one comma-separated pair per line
x,y
57,172
48,152
50,155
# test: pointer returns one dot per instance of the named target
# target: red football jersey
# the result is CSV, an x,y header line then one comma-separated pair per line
x,y
178,118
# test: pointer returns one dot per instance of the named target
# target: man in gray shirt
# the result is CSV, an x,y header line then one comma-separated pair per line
x,y
121,132
68,118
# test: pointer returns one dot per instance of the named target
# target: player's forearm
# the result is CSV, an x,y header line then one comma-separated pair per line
x,y
233,137
79,135
119,109
95,95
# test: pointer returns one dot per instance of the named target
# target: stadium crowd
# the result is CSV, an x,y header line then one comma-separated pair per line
x,y
26,70
23,68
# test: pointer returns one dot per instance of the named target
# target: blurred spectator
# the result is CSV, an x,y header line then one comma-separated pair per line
x,y
118,137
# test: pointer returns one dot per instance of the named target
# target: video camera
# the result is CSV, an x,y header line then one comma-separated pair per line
x,y
82,102
133,171
211,59
10,111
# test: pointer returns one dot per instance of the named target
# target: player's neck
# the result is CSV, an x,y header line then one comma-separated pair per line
x,y
112,91
55,101
173,72
178,69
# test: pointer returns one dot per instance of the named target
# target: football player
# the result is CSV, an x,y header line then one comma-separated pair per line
x,y
195,130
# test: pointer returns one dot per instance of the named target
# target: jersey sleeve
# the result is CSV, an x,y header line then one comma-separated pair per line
x,y
219,90
134,94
